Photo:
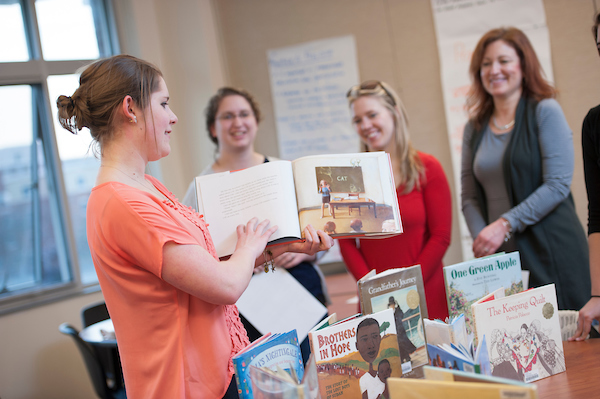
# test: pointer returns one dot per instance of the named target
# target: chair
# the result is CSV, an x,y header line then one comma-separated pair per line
x,y
94,366
109,357
94,313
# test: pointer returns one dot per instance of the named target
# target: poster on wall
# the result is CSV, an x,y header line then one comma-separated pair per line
x,y
459,25
309,82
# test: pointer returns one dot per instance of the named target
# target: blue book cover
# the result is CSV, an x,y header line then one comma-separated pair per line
x,y
467,282
281,350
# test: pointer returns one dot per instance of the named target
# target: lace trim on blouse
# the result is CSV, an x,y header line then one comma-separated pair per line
x,y
237,332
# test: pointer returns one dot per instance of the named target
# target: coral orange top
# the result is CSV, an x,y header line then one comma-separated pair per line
x,y
172,344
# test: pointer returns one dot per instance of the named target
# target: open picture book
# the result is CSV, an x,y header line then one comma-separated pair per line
x,y
349,195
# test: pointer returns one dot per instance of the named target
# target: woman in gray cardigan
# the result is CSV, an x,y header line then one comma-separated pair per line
x,y
517,166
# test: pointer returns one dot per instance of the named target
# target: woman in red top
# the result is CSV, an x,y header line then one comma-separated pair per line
x,y
171,300
423,195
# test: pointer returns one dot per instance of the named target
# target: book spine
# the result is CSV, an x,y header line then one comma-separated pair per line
x,y
238,380
361,297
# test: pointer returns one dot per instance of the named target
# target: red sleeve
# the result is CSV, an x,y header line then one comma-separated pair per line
x,y
355,262
438,208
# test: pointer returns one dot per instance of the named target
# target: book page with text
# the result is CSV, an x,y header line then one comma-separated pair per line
x,y
264,191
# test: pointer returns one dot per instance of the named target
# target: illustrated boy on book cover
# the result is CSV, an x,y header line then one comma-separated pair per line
x,y
525,342
354,358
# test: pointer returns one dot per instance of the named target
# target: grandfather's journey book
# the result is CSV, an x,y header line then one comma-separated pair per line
x,y
349,195
402,290
523,334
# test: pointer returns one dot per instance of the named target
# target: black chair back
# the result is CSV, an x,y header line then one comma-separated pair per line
x,y
94,367
94,313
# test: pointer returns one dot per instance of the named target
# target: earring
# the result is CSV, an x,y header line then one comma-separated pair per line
x,y
134,120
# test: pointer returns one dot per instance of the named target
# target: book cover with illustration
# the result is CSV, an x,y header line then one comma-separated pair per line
x,y
468,281
400,289
345,195
272,351
523,334
355,357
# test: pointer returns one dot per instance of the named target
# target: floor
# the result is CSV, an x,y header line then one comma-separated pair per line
x,y
342,290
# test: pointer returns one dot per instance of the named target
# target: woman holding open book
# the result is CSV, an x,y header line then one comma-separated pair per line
x,y
517,165
423,195
170,298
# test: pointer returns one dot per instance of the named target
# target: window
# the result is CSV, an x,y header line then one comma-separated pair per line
x,y
46,173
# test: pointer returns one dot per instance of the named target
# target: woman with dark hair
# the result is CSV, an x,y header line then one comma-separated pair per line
x,y
590,140
517,165
381,122
232,118
171,300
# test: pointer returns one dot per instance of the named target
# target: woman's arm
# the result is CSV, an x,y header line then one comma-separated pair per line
x,y
193,270
556,147
591,310
438,210
355,262
470,207
591,157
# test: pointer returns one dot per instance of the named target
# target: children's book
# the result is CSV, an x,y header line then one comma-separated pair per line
x,y
454,331
400,289
456,384
356,356
449,346
271,351
468,281
523,334
348,195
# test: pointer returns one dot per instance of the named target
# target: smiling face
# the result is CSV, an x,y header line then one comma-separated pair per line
x,y
368,340
374,123
235,124
501,73
159,121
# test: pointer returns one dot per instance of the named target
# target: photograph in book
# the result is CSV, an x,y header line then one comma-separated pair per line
x,y
466,282
400,289
349,195
355,357
523,334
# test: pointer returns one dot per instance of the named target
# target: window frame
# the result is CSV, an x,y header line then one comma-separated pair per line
x,y
35,73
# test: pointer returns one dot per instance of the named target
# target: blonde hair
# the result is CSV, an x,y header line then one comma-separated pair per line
x,y
411,167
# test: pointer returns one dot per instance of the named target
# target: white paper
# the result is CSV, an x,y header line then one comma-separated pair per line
x,y
309,82
263,191
276,302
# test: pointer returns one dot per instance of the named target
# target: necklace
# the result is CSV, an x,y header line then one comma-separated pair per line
x,y
505,127
145,183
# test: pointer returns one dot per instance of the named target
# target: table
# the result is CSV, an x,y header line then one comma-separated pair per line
x,y
93,333
355,203
582,378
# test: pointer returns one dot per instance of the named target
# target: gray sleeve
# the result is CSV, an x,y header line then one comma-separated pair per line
x,y
556,147
470,207
190,197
